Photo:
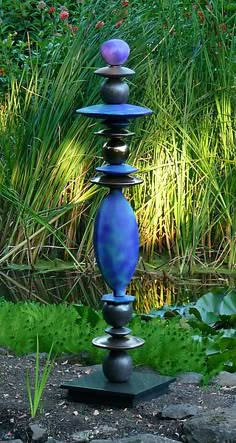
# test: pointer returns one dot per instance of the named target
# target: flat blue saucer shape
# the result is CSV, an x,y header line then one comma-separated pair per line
x,y
114,111
117,169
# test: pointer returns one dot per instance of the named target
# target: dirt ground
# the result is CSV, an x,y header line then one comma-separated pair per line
x,y
62,418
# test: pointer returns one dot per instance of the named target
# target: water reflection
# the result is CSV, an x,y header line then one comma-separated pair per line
x,y
151,291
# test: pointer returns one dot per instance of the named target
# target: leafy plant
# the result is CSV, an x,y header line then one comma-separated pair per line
x,y
185,66
214,317
35,394
216,309
169,348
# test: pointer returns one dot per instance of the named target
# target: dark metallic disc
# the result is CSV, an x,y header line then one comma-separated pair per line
x,y
116,181
118,331
113,343
116,132
114,72
115,124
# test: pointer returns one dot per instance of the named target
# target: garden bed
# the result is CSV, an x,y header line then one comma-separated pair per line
x,y
65,420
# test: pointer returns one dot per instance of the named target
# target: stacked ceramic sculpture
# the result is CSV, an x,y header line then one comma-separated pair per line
x,y
116,239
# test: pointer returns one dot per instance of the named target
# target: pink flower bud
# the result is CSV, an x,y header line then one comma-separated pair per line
x,y
64,15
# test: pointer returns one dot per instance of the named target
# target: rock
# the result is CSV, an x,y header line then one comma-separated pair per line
x,y
104,429
82,437
179,411
42,356
192,378
218,426
3,351
225,379
39,435
141,438
52,440
12,441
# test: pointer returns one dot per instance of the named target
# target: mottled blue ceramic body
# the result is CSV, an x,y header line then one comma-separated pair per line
x,y
116,241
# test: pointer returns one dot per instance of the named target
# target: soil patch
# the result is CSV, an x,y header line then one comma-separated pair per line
x,y
63,418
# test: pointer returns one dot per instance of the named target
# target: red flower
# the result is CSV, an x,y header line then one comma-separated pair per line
x,y
2,71
201,16
222,27
209,7
99,24
51,10
119,23
73,28
124,3
64,15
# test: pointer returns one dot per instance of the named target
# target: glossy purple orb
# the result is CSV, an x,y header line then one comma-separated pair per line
x,y
115,52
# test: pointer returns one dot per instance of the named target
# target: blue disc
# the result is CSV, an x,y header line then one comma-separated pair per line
x,y
116,241
117,169
114,111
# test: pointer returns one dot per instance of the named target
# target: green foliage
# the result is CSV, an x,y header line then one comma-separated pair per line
x,y
21,323
216,309
169,348
214,317
35,394
184,59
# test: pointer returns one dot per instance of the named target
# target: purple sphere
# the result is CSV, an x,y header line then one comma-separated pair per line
x,y
115,51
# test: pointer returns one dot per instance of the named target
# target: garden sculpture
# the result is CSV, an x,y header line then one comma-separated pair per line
x,y
116,242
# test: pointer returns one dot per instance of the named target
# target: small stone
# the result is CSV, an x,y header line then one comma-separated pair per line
x,y
39,435
42,356
218,426
225,379
104,429
141,438
4,351
179,411
82,437
192,378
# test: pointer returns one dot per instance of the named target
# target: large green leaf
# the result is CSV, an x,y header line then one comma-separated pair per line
x,y
210,302
228,304
204,315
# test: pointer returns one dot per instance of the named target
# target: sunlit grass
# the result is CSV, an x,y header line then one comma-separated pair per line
x,y
185,72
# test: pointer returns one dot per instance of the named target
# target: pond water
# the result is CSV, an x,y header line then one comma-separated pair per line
x,y
150,290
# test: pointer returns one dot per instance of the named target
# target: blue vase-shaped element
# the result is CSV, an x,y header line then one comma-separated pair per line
x,y
116,241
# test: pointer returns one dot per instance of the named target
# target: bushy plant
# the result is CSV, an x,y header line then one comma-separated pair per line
x,y
169,348
214,317
184,57
59,325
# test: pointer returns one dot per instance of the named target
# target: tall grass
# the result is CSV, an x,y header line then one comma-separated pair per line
x,y
185,72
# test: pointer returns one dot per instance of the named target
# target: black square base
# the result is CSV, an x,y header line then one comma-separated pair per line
x,y
96,389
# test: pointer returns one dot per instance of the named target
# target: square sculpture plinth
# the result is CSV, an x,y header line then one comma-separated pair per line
x,y
96,389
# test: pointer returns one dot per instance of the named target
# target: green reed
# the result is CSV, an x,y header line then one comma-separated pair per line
x,y
185,71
